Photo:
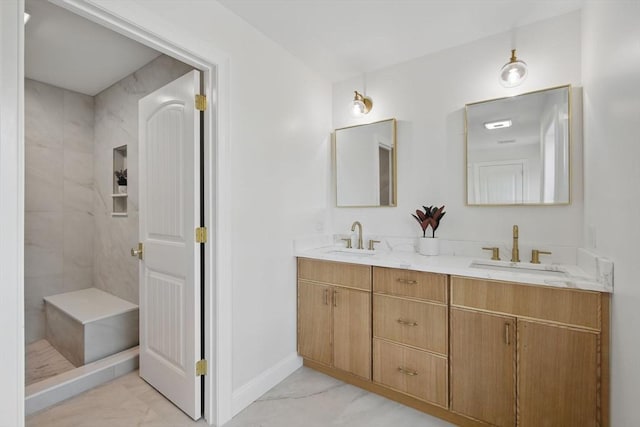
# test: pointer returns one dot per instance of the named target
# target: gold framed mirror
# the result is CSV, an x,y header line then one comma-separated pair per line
x,y
365,165
518,149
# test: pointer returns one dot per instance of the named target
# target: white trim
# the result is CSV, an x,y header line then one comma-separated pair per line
x,y
218,384
248,393
12,212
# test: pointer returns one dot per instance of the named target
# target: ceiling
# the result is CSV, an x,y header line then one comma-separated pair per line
x,y
338,38
345,38
68,51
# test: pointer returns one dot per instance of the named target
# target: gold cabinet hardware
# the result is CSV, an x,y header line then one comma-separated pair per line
x,y
326,297
348,241
201,235
138,252
535,255
372,244
408,372
495,253
201,367
407,322
335,298
408,282
201,102
507,334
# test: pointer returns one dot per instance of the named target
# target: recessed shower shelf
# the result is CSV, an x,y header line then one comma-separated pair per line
x,y
118,214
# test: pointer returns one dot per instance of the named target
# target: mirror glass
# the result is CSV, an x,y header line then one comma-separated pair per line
x,y
365,164
518,149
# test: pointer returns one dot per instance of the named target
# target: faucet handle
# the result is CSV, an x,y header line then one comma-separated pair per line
x,y
372,244
535,255
348,240
495,253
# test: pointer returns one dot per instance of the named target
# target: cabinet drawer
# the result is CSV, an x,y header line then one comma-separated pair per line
x,y
409,283
414,323
566,306
420,374
335,273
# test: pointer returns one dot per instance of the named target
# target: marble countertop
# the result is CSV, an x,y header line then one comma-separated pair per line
x,y
554,275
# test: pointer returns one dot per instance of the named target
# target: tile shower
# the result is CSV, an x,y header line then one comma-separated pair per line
x,y
72,241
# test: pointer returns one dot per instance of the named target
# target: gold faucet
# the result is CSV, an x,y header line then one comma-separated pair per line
x,y
515,252
353,228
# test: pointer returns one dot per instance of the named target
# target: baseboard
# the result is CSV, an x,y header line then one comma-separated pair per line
x,y
252,390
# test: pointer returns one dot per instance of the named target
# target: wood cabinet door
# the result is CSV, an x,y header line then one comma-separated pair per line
x,y
557,376
352,331
314,322
483,366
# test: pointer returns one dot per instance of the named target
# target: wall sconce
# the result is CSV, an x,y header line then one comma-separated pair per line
x,y
513,72
361,105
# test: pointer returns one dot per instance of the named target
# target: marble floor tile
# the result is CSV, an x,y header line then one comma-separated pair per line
x,y
305,399
43,361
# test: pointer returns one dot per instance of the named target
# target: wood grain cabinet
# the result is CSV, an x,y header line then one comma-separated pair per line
x,y
334,315
470,351
528,362
410,329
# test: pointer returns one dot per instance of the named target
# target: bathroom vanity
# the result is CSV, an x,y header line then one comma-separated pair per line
x,y
455,342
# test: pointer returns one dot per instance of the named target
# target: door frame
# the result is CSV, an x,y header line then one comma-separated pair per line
x,y
218,273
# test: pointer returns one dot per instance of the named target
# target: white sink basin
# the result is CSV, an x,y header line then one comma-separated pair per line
x,y
525,268
352,252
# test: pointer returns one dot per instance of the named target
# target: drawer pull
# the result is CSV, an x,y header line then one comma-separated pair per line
x,y
326,297
335,298
408,372
408,282
407,322
507,334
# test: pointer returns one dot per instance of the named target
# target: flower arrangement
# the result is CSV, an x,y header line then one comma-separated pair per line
x,y
429,218
121,176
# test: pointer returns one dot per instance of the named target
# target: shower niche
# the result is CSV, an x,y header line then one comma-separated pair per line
x,y
119,194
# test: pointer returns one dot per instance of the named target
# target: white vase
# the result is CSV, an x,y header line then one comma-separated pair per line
x,y
122,189
428,246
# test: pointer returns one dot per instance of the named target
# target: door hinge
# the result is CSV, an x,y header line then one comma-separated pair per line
x,y
201,367
201,102
201,235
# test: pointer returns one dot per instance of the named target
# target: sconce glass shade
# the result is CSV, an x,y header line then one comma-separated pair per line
x,y
513,72
360,105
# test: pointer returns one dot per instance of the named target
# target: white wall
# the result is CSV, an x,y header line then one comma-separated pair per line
x,y
279,135
611,64
427,96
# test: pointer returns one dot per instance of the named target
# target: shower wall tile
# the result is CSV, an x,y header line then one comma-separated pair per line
x,y
77,197
34,289
58,197
78,122
116,124
77,240
43,115
43,178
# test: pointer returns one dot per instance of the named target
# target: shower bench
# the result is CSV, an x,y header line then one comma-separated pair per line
x,y
90,324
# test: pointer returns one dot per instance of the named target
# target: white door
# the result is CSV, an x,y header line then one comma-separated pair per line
x,y
499,182
169,161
